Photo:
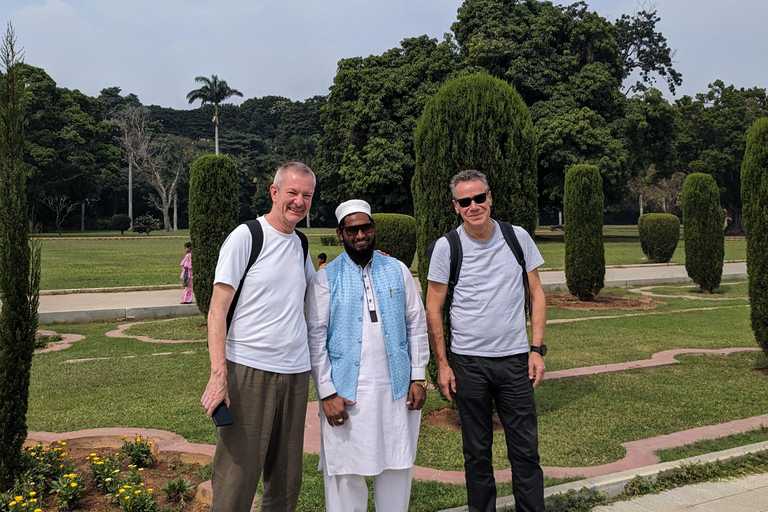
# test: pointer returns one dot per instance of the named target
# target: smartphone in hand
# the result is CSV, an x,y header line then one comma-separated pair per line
x,y
221,416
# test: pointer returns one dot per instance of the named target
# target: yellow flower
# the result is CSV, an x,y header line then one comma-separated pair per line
x,y
149,443
137,492
33,500
18,498
93,455
32,493
123,437
138,439
64,454
63,443
121,490
73,484
127,497
11,504
107,479
100,463
38,510
87,458
149,490
118,453
141,469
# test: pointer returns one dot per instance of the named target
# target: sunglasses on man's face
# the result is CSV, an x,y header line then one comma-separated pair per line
x,y
352,230
464,202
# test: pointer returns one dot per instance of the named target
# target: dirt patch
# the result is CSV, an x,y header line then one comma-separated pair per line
x,y
154,478
568,301
449,419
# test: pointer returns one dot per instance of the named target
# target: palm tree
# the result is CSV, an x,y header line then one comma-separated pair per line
x,y
213,91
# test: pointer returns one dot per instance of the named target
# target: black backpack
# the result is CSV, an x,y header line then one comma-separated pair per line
x,y
257,242
457,255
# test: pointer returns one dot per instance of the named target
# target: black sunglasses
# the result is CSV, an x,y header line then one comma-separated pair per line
x,y
464,202
352,230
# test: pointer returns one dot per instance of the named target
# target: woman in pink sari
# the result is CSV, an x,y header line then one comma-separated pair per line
x,y
186,275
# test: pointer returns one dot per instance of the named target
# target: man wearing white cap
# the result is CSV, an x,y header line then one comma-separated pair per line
x,y
369,351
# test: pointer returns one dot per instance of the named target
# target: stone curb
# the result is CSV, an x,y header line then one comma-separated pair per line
x,y
113,289
614,483
117,314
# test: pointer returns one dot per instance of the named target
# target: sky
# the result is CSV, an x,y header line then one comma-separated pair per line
x,y
155,48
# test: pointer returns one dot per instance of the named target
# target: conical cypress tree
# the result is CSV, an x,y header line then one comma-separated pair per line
x,y
754,197
703,231
583,207
19,270
213,214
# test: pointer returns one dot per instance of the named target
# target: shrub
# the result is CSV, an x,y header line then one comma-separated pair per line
x,y
754,196
120,222
583,207
330,240
473,122
145,224
139,452
659,233
396,235
703,231
178,490
213,214
69,489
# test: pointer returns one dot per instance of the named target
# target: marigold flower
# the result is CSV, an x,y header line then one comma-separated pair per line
x,y
149,442
108,479
121,490
149,490
137,492
33,500
38,510
73,484
138,439
32,493
63,443
18,498
11,504
123,437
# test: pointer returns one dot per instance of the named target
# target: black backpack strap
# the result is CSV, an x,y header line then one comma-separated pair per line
x,y
257,241
509,235
304,243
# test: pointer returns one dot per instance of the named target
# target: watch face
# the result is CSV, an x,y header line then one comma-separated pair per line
x,y
540,349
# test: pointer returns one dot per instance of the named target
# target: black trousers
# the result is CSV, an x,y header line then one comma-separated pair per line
x,y
480,382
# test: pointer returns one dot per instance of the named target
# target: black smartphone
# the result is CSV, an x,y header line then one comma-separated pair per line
x,y
221,416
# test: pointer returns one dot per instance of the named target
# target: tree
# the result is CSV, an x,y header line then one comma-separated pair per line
x,y
583,208
213,91
19,268
159,160
644,49
367,147
659,234
474,122
396,235
713,137
754,192
62,206
213,214
703,231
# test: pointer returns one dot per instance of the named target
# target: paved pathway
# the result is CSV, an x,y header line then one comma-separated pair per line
x,y
747,494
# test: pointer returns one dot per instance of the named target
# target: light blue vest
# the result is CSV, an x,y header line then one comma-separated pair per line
x,y
345,327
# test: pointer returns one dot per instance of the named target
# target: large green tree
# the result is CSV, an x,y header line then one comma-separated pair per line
x,y
213,91
375,102
19,268
713,138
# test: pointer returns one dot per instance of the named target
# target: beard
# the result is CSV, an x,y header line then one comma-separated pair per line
x,y
364,255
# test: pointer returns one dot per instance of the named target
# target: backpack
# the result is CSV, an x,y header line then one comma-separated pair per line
x,y
257,242
457,255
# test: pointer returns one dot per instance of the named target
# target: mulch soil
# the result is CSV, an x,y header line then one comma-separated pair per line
x,y
568,301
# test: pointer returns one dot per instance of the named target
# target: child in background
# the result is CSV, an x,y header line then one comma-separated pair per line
x,y
186,275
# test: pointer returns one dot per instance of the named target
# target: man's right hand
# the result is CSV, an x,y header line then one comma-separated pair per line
x,y
335,410
446,382
215,392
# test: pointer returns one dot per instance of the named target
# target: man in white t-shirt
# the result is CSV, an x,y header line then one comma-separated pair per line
x,y
260,366
369,351
489,345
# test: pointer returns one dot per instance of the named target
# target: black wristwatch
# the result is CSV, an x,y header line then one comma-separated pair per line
x,y
541,349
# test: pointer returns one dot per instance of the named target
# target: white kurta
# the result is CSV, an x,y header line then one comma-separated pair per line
x,y
381,433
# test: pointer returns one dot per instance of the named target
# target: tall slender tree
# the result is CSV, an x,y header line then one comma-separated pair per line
x,y
213,91
19,268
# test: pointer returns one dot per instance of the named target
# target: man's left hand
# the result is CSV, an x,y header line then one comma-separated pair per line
x,y
536,368
416,397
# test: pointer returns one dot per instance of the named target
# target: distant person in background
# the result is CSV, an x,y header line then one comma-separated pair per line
x,y
322,260
186,275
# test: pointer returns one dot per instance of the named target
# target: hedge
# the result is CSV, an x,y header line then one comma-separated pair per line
x,y
213,214
396,235
472,122
659,233
754,197
583,207
703,231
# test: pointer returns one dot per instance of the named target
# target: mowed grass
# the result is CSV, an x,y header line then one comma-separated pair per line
x,y
186,328
757,435
146,261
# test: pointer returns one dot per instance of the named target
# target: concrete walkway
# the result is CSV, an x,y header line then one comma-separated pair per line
x,y
114,305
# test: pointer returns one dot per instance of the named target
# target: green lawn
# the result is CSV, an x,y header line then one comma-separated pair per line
x,y
97,263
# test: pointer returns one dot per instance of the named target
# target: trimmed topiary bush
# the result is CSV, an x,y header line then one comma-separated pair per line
x,y
121,222
213,214
583,207
146,224
472,122
659,233
703,231
754,197
396,235
330,240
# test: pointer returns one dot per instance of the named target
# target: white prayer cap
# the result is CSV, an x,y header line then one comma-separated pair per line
x,y
352,206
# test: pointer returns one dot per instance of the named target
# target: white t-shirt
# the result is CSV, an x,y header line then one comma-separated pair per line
x,y
488,311
268,330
